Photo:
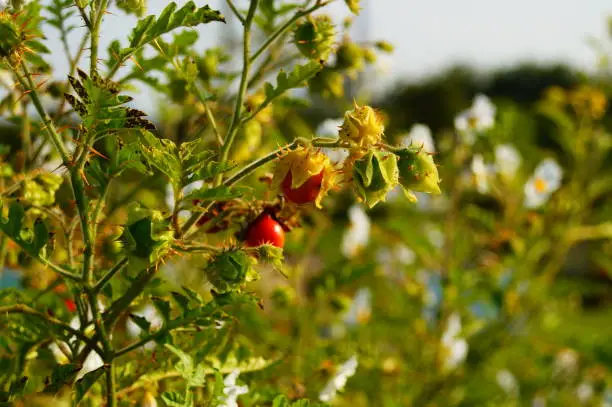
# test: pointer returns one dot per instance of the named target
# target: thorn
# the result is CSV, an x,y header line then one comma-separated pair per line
x,y
84,177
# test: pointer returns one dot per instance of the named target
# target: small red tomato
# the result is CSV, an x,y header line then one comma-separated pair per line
x,y
265,229
305,193
70,305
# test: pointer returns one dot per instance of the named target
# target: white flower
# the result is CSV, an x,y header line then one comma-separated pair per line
x,y
6,79
358,233
420,136
231,391
338,381
506,380
584,392
545,180
566,363
479,117
360,309
390,259
150,313
538,401
435,236
507,160
481,173
456,348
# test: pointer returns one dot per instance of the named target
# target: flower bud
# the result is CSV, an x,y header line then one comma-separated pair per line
x,y
417,170
384,46
353,5
298,166
229,269
350,57
362,127
315,37
10,38
374,175
369,55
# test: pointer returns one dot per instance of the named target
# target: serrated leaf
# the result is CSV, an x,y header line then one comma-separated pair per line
x,y
162,155
173,399
30,241
163,307
141,322
181,300
61,376
295,79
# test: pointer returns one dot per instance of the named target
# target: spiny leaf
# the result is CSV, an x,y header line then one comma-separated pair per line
x,y
295,79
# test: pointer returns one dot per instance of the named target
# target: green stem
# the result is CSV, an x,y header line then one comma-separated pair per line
x,y
236,12
209,114
136,287
282,29
246,64
174,324
96,17
114,270
111,393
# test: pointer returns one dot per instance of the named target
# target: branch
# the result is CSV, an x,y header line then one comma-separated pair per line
x,y
114,270
24,309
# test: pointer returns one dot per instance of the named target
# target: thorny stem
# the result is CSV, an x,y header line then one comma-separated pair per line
x,y
232,131
96,18
114,270
232,6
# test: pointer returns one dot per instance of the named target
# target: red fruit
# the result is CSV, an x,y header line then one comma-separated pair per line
x,y
71,305
305,193
265,229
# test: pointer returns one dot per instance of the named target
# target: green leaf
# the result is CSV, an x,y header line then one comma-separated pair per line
x,y
32,242
147,235
150,28
194,296
219,193
84,384
61,376
181,300
141,322
296,79
195,375
162,155
174,399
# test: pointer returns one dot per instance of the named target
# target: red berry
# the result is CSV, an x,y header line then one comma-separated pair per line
x,y
265,229
305,193
71,305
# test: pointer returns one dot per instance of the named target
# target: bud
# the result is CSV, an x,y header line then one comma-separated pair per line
x,y
229,269
362,127
384,46
374,175
328,83
353,5
417,170
298,166
10,38
148,400
208,65
136,7
369,55
315,37
350,57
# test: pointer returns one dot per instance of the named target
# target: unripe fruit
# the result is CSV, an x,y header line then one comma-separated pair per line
x,y
315,37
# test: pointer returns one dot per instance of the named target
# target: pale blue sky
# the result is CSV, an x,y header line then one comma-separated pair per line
x,y
434,34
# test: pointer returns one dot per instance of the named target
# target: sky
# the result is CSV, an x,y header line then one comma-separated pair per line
x,y
432,35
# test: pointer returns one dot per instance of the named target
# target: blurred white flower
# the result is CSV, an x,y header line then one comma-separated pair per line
x,y
357,235
150,313
420,136
545,180
507,160
506,380
538,401
479,117
435,236
329,128
338,381
360,309
6,78
566,363
456,348
584,392
384,64
231,391
482,173
393,260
